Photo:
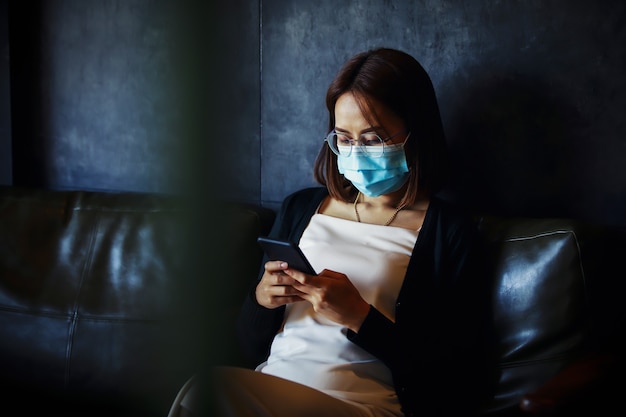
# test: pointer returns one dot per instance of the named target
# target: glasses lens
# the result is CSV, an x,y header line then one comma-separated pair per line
x,y
372,145
339,144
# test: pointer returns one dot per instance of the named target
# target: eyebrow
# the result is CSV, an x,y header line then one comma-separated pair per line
x,y
371,129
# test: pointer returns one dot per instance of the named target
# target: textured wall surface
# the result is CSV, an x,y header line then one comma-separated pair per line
x,y
531,93
91,94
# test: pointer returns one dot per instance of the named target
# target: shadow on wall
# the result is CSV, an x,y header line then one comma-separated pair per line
x,y
514,148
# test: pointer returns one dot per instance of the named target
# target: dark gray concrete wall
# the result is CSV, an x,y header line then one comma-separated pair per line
x,y
92,96
532,94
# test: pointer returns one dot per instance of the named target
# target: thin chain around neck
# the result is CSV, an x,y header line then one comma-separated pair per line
x,y
387,223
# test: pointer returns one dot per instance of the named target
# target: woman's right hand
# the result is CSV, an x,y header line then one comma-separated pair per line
x,y
275,288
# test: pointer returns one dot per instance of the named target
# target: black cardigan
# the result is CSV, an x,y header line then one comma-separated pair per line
x,y
438,346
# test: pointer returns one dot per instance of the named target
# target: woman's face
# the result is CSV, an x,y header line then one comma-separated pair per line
x,y
351,122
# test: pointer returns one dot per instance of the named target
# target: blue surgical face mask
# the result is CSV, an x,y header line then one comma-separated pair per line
x,y
375,176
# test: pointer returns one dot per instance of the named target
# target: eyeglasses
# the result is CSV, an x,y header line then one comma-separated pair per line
x,y
369,143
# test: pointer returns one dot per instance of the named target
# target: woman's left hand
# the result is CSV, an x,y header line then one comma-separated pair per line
x,y
332,295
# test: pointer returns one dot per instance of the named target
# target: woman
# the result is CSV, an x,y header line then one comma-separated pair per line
x,y
393,324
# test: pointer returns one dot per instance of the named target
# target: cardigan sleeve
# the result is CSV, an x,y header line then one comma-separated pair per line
x,y
440,295
256,328
437,348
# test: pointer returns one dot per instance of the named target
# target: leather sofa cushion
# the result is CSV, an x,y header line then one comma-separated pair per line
x,y
90,298
541,315
113,300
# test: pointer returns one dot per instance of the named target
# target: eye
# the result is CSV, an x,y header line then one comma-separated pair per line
x,y
370,140
343,140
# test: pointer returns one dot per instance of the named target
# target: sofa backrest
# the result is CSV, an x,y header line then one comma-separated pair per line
x,y
542,306
102,300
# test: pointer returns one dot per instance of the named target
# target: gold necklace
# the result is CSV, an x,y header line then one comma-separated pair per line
x,y
387,223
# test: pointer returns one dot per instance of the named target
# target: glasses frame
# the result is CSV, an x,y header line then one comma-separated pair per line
x,y
328,140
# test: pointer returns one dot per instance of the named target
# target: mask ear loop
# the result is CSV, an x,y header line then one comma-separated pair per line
x,y
395,144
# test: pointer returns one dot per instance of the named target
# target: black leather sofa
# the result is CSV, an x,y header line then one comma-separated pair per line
x,y
110,302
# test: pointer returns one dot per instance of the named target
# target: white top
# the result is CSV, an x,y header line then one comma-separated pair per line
x,y
315,351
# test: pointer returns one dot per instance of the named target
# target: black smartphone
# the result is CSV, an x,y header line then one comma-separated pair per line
x,y
283,250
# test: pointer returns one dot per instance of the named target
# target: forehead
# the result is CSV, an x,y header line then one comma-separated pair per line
x,y
351,109
347,107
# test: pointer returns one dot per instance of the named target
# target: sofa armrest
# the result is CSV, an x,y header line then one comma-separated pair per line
x,y
585,383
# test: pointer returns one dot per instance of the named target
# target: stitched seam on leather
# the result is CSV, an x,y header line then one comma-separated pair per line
x,y
31,312
544,234
127,210
119,320
74,316
548,359
583,275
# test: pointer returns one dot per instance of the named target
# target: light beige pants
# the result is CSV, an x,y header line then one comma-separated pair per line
x,y
243,392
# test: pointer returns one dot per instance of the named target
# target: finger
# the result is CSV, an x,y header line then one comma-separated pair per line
x,y
279,301
282,279
273,266
310,287
276,284
300,277
283,294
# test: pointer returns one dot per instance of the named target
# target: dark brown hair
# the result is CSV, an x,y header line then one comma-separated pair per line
x,y
397,81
